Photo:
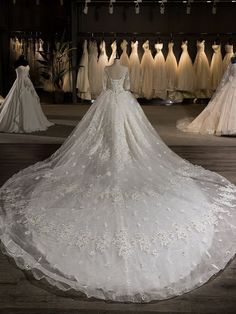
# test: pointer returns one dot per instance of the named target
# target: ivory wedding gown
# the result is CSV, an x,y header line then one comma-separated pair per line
x,y
216,67
21,110
124,58
229,53
102,63
147,70
93,73
159,77
82,83
114,213
134,69
202,71
113,53
185,74
219,117
171,68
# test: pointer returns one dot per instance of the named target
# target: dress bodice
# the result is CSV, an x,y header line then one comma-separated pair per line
x,y
229,48
184,47
113,47
123,45
134,46
116,85
85,49
22,71
102,48
216,48
201,46
159,47
146,46
170,46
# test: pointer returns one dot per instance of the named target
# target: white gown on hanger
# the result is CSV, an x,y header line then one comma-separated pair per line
x,y
102,63
171,68
147,71
113,54
67,85
134,69
159,77
229,49
21,110
216,67
186,74
219,117
202,70
82,77
115,214
93,73
124,58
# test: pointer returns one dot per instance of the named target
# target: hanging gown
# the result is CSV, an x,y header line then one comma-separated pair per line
x,y
229,49
147,70
102,63
219,117
216,67
93,74
134,69
82,78
159,79
186,75
113,54
115,214
67,85
124,58
171,68
21,110
202,71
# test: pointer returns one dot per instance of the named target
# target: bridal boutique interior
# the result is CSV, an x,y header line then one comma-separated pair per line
x,y
177,52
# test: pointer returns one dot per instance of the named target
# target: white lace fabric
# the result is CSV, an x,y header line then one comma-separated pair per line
x,y
115,214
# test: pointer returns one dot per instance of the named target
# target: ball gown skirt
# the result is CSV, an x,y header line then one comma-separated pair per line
x,y
21,111
115,214
219,117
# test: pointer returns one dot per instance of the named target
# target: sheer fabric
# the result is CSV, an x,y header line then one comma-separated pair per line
x,y
219,117
185,74
115,214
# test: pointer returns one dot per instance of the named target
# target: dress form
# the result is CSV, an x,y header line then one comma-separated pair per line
x,y
116,70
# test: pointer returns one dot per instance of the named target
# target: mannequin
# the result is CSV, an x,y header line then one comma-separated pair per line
x,y
116,70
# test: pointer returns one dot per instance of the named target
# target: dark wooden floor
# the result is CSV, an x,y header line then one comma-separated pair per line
x,y
21,294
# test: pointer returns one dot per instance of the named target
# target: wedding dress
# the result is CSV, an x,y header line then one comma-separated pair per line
x,y
159,79
229,49
114,213
171,68
82,77
124,58
21,111
102,63
147,66
134,69
216,67
185,75
202,70
93,74
219,117
113,54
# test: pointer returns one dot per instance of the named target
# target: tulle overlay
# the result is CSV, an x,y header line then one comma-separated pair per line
x,y
219,117
115,214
